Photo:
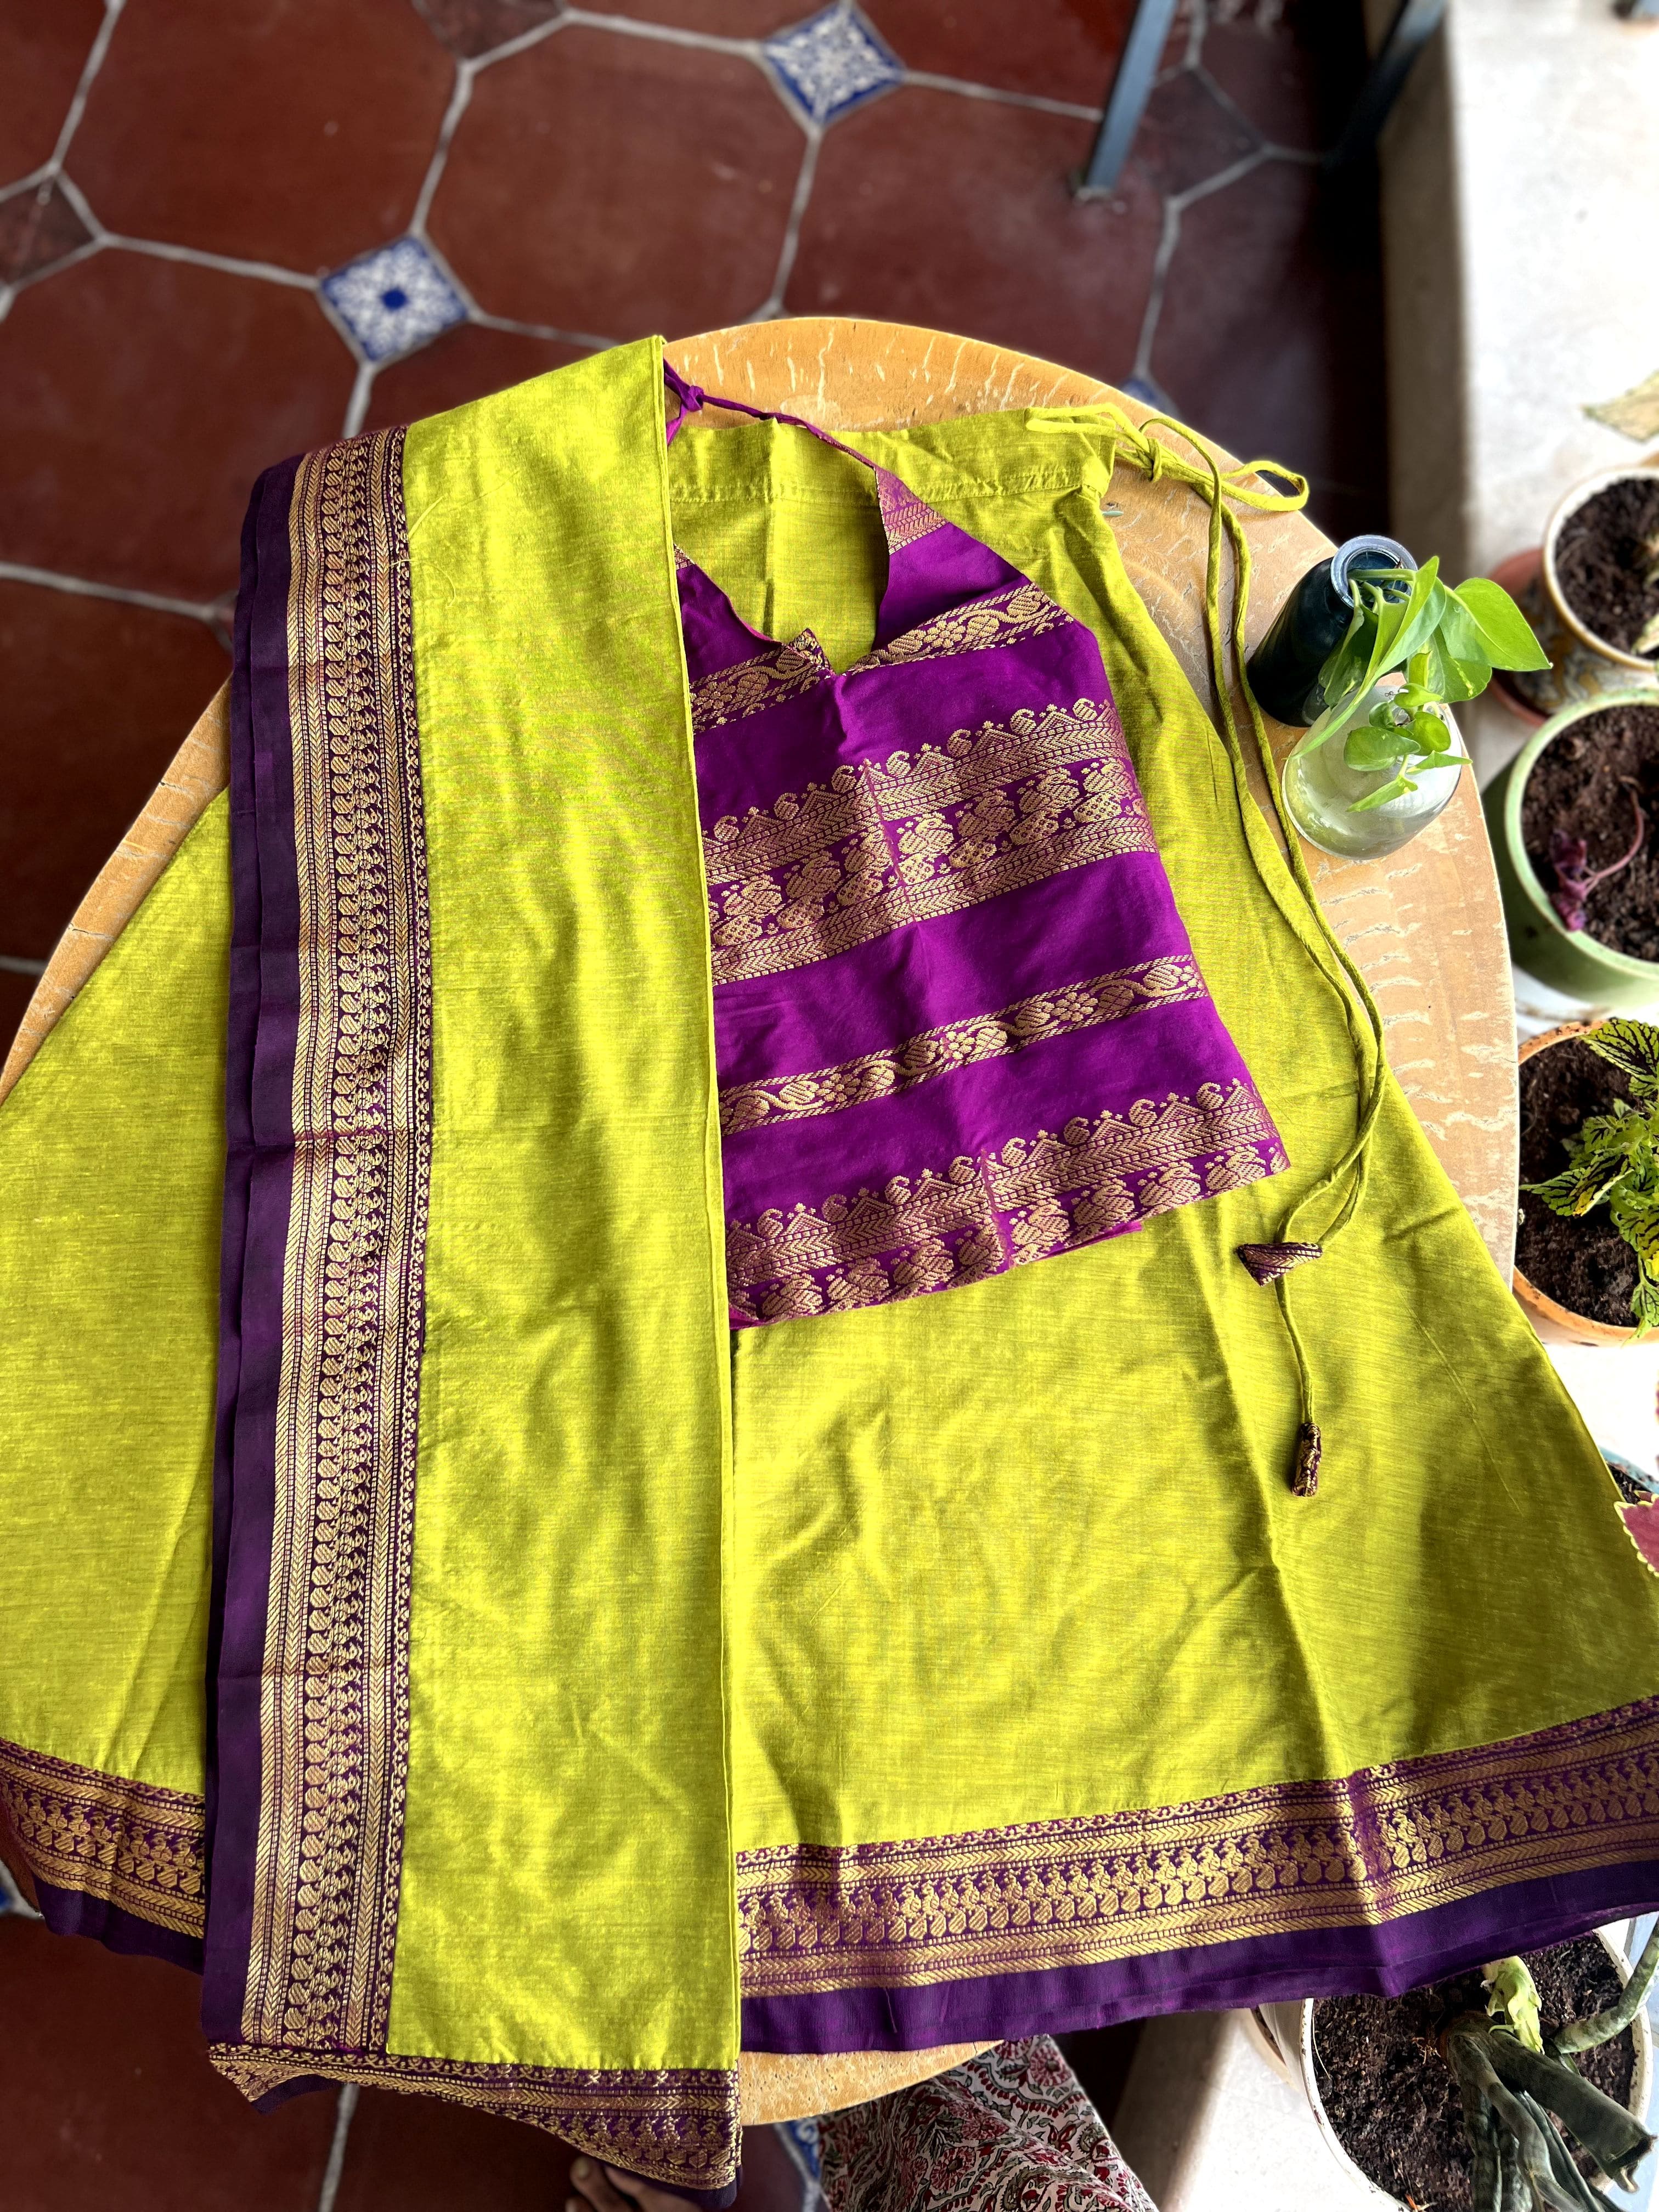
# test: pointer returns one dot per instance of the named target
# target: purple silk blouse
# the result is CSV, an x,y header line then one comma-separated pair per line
x,y
958,1025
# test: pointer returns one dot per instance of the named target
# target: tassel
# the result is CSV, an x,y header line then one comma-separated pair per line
x,y
1267,1262
1309,1450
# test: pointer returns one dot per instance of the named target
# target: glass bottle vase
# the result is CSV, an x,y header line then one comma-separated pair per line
x,y
1320,789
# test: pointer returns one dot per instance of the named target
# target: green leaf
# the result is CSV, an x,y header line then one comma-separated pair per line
x,y
1429,734
1630,1045
1506,636
1512,1997
1459,639
1421,615
1337,677
1465,679
1374,745
1394,790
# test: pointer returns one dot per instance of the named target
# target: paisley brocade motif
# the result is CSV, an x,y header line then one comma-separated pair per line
x,y
1009,2131
132,1844
886,1074
782,672
1353,1852
924,833
1037,1197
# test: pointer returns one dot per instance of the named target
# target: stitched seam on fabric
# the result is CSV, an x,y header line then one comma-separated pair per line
x,y
1387,1841
676,2125
132,1844
334,1723
1066,1011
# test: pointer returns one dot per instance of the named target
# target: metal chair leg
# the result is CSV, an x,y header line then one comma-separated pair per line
x,y
1413,27
1130,89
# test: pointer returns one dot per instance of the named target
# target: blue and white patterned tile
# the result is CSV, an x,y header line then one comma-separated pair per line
x,y
394,299
832,62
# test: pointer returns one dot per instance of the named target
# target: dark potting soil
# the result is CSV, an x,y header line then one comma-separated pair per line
x,y
1602,556
1581,786
1391,2096
1580,1261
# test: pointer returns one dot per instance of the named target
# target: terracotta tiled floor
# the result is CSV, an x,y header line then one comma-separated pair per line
x,y
182,185
230,232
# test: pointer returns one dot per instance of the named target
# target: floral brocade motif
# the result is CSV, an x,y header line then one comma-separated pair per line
x,y
974,1218
1062,1013
132,1844
1287,1858
1010,2131
921,834
782,672
1002,618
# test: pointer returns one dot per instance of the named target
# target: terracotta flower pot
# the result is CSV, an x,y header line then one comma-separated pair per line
x,y
1557,1324
1582,664
1283,2033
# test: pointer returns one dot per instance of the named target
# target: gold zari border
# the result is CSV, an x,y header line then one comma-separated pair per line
x,y
334,1698
1004,617
782,672
921,834
132,1844
679,2127
1036,1197
1289,1858
1063,1011
904,517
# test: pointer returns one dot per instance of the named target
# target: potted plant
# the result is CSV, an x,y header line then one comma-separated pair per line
x,y
1480,2089
1594,597
1382,758
1574,820
1587,1250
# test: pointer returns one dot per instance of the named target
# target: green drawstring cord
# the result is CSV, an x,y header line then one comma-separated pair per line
x,y
1269,1263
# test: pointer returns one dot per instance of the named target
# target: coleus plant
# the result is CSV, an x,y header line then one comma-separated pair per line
x,y
1447,639
1614,1158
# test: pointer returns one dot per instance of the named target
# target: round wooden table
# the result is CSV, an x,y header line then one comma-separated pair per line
x,y
1425,924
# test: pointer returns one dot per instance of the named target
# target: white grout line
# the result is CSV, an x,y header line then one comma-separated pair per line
x,y
228,265
10,965
772,304
337,2148
52,269
589,339
94,62
16,572
667,34
361,389
1167,243
1202,190
460,100
522,44
81,205
1038,101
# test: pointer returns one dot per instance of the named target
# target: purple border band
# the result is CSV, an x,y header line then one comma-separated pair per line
x,y
259,1134
1381,1959
72,1912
